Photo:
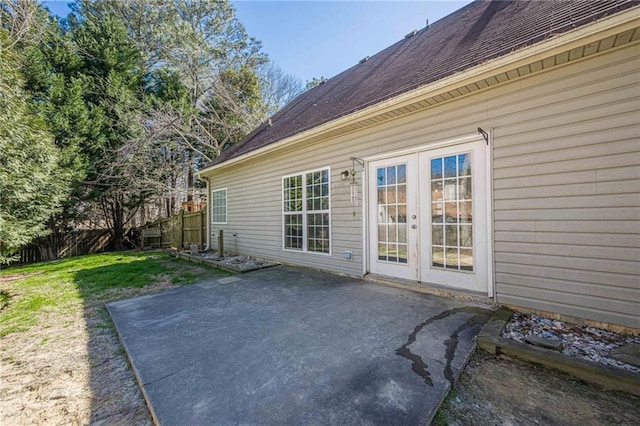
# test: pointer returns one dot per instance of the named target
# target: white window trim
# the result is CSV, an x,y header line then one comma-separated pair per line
x,y
226,206
304,212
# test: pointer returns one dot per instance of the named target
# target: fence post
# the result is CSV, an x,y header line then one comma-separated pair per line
x,y
201,224
181,227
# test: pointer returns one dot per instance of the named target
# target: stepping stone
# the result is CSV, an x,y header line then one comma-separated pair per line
x,y
629,354
543,342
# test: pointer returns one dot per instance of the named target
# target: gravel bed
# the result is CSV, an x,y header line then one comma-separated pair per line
x,y
589,343
241,263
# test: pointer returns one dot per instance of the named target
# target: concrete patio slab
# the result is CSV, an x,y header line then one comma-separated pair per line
x,y
293,346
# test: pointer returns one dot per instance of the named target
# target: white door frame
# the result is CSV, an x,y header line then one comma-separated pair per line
x,y
477,279
366,222
407,221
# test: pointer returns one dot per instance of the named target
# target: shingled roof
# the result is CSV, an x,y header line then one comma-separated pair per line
x,y
479,32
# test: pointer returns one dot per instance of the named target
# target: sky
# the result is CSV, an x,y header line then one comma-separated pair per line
x,y
323,38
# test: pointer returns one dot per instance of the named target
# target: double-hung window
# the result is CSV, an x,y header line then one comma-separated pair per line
x,y
219,206
306,211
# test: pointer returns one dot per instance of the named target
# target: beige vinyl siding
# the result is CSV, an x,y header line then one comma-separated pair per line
x,y
567,196
566,186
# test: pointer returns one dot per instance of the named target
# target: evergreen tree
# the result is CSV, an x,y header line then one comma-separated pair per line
x,y
114,98
57,90
32,184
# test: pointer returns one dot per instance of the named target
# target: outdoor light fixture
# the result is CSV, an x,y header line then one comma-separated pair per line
x,y
355,188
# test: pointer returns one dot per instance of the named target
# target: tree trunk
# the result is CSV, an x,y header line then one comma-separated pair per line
x,y
190,166
117,217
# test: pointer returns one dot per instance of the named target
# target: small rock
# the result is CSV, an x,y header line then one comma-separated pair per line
x,y
542,342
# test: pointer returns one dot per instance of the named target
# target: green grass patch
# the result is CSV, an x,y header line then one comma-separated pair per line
x,y
4,299
183,279
64,286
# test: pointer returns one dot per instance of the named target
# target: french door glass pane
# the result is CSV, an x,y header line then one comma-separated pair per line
x,y
392,213
451,212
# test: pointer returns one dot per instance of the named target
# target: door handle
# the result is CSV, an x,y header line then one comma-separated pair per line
x,y
414,226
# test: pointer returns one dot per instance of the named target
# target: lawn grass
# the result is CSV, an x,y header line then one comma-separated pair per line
x,y
62,362
28,293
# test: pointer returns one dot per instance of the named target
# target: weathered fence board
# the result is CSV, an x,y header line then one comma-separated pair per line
x,y
68,244
179,230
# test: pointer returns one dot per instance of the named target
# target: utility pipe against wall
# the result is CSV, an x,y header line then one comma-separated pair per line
x,y
208,241
221,244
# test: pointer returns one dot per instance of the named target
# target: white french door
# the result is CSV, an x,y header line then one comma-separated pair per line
x,y
393,215
428,217
453,215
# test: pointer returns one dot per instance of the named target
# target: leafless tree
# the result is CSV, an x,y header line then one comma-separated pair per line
x,y
18,17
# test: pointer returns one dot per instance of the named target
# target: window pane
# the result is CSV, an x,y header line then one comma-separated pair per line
x,y
450,169
382,251
451,180
392,252
392,214
451,258
293,231
391,195
402,173
465,212
436,168
450,190
436,190
402,234
465,189
451,212
391,175
318,232
464,165
466,236
381,177
437,233
451,235
402,193
219,206
402,253
437,211
402,213
437,257
466,259
382,233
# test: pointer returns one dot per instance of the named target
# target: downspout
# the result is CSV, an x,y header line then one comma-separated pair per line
x,y
207,180
365,222
491,221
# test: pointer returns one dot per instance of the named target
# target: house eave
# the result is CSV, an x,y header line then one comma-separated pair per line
x,y
603,35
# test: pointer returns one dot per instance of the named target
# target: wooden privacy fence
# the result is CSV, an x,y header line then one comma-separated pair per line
x,y
66,245
178,231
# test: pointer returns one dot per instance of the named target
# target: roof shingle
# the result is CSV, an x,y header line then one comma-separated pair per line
x,y
477,33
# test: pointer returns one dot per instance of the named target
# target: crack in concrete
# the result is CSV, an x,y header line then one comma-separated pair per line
x,y
162,378
452,344
417,363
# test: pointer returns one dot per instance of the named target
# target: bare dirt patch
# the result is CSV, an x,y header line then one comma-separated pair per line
x,y
71,368
12,277
501,391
